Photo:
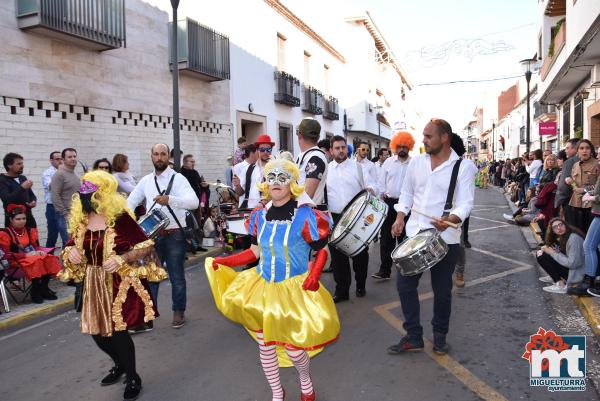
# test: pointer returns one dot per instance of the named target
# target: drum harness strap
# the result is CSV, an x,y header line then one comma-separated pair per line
x,y
452,187
248,183
166,192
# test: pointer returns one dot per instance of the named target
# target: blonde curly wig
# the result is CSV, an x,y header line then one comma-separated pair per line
x,y
106,200
291,168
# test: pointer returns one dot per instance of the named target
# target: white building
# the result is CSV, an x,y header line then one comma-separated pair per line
x,y
569,46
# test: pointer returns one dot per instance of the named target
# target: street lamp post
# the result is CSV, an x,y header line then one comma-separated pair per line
x,y
527,66
493,140
175,65
378,108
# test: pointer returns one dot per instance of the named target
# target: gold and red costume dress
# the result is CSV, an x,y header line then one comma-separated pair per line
x,y
121,300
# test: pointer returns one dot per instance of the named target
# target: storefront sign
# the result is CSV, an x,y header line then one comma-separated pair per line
x,y
548,128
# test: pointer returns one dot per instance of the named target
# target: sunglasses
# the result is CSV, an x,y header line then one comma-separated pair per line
x,y
103,167
265,150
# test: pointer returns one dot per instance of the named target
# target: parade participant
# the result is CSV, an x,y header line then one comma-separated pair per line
x,y
344,181
51,220
110,254
280,302
166,189
312,162
368,167
21,246
249,181
325,146
15,188
390,183
382,155
426,188
239,170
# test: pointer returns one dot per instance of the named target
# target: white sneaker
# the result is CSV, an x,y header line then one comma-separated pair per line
x,y
556,288
546,279
507,216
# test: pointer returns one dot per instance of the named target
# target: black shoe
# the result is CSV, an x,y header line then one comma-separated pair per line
x,y
467,244
142,328
202,249
361,293
328,270
440,346
132,389
406,344
581,289
113,376
338,298
36,291
381,276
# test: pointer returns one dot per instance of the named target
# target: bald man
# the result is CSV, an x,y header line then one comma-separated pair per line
x,y
170,192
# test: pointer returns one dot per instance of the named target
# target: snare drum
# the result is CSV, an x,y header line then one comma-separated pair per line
x,y
419,253
359,223
154,222
236,223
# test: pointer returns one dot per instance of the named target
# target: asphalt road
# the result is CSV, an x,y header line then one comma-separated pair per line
x,y
213,359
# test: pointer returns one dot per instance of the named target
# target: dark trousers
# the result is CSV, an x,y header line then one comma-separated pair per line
x,y
62,228
119,347
552,267
441,283
465,229
52,222
579,217
171,251
387,242
341,268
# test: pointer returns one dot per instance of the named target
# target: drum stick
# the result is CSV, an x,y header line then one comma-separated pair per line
x,y
453,225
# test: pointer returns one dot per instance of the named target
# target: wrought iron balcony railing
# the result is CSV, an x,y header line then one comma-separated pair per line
x,y
331,110
541,109
96,24
201,51
313,100
287,89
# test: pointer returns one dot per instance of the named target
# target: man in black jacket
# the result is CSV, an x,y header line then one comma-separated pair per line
x,y
16,188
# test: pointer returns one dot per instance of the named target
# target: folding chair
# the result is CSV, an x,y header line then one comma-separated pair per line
x,y
14,280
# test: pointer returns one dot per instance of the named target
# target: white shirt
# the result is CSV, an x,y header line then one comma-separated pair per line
x,y
46,180
370,174
239,170
343,183
126,182
426,191
255,179
181,198
392,176
302,162
534,168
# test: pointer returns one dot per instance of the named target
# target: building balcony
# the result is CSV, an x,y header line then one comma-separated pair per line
x,y
287,89
201,51
313,100
557,43
95,24
544,112
331,109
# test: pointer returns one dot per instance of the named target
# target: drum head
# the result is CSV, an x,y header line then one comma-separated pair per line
x,y
410,245
350,214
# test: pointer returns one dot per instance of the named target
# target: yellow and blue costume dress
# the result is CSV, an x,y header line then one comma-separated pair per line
x,y
270,298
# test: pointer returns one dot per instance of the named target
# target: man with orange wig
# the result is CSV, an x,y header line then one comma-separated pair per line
x,y
392,175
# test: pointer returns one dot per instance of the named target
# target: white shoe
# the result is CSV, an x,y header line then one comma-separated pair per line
x,y
508,217
556,288
546,279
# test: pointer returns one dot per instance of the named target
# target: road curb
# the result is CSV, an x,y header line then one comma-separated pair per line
x,y
36,312
590,311
48,309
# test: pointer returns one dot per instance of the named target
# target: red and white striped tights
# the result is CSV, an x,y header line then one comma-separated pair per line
x,y
268,360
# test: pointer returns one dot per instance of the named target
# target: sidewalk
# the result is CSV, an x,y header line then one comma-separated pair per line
x,y
588,306
20,313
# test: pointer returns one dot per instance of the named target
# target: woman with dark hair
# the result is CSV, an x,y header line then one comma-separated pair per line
x,y
583,178
121,172
103,164
562,255
21,246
